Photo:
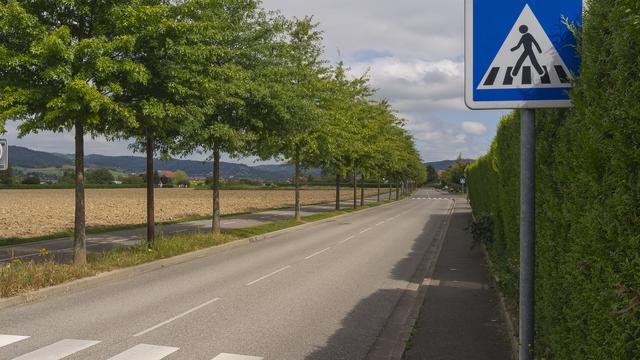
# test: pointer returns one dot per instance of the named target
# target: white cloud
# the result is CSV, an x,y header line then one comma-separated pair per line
x,y
474,128
414,85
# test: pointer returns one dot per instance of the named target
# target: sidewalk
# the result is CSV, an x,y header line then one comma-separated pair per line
x,y
460,317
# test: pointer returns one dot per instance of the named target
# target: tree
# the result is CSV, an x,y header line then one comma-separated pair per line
x,y
68,176
340,134
432,174
297,81
455,172
180,178
133,179
232,42
100,176
31,180
60,69
157,29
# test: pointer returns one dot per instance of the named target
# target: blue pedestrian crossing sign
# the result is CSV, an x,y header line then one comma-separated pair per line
x,y
520,53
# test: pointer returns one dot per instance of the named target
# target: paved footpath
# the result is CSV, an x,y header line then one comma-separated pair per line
x,y
62,248
460,316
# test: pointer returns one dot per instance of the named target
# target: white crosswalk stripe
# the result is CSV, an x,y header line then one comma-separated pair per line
x,y
59,350
503,77
10,339
146,352
225,356
68,347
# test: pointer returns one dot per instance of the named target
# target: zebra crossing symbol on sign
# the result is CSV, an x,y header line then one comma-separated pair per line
x,y
520,53
527,59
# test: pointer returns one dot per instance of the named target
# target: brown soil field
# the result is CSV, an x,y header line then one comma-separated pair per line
x,y
30,213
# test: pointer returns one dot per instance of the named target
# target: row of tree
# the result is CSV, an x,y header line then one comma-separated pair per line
x,y
178,77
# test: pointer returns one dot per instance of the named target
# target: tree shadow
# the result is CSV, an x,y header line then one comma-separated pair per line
x,y
362,326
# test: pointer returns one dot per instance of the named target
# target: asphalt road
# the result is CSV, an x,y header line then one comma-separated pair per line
x,y
324,291
62,248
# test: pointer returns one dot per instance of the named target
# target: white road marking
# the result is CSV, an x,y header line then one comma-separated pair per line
x,y
146,352
347,239
269,275
365,230
228,222
176,317
317,253
224,356
10,339
59,350
380,223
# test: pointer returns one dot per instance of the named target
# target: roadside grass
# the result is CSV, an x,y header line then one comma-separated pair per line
x,y
18,277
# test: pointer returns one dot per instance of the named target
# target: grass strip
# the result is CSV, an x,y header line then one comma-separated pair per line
x,y
18,277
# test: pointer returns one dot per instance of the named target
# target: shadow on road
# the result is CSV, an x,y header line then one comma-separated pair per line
x,y
363,324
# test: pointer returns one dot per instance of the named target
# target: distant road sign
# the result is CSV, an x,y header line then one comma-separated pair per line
x,y
519,53
4,155
463,181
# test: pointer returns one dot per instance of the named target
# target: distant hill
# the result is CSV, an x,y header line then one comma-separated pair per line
x,y
441,165
31,159
23,157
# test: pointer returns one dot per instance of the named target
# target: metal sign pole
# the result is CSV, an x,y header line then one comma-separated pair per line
x,y
527,231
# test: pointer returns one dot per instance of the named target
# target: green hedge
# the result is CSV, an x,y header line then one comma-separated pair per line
x,y
588,199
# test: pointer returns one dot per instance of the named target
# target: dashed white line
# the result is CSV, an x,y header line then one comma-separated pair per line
x,y
380,223
365,230
228,222
317,253
347,239
177,317
269,275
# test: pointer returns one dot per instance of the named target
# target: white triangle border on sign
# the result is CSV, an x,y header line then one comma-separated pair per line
x,y
551,59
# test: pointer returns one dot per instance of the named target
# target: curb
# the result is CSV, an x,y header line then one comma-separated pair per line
x,y
513,335
126,273
392,341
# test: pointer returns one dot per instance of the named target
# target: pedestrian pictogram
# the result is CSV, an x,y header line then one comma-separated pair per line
x,y
527,59
521,53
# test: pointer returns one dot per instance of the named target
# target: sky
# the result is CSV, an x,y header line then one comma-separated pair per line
x,y
413,51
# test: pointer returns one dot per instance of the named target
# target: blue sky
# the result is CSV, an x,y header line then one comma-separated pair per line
x,y
413,50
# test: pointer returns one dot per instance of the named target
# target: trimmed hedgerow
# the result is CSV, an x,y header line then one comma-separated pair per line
x,y
588,199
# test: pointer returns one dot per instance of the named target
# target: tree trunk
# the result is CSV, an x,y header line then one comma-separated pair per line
x,y
215,224
79,236
355,189
390,190
397,191
151,218
338,192
298,206
362,191
378,189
